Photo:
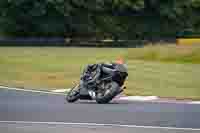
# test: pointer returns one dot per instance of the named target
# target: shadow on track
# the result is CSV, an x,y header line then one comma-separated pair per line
x,y
114,102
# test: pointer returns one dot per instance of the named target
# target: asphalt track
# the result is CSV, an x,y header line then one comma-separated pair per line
x,y
31,112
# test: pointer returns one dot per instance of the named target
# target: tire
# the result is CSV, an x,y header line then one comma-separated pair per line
x,y
113,91
73,95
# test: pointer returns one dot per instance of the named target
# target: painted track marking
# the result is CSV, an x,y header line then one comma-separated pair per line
x,y
139,98
28,90
99,125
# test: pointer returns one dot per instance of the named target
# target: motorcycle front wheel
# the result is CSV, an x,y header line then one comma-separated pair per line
x,y
73,95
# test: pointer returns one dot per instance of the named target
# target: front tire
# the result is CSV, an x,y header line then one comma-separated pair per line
x,y
113,90
73,95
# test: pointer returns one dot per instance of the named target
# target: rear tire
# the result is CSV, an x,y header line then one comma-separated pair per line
x,y
113,91
73,95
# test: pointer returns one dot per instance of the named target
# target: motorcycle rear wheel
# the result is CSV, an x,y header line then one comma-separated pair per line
x,y
112,91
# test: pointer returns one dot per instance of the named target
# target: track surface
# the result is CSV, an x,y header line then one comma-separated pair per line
x,y
38,107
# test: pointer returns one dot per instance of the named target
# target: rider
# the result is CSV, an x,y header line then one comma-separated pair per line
x,y
94,70
118,65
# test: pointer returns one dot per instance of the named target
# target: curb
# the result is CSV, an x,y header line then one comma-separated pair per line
x,y
139,98
61,90
157,99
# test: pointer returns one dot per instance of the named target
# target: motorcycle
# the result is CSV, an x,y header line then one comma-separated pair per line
x,y
102,90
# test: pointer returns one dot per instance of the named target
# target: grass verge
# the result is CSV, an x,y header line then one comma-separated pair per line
x,y
168,53
169,71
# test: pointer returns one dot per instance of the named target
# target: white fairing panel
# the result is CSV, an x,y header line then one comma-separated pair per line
x,y
92,94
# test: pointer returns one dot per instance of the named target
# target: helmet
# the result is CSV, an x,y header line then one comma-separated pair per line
x,y
121,65
119,61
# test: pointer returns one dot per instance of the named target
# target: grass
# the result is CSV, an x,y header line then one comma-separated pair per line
x,y
168,71
169,53
164,79
48,67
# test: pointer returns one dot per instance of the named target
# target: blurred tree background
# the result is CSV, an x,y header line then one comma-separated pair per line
x,y
117,19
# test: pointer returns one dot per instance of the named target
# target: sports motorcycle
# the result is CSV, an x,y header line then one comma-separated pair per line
x,y
107,86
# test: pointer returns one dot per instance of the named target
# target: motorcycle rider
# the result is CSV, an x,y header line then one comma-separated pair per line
x,y
94,70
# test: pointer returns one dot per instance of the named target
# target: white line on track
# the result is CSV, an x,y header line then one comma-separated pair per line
x,y
28,90
61,90
99,125
194,102
139,98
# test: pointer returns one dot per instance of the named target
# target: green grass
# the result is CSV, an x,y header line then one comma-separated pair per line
x,y
164,79
169,53
48,67
164,71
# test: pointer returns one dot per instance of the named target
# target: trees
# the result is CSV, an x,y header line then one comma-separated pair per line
x,y
127,19
32,18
